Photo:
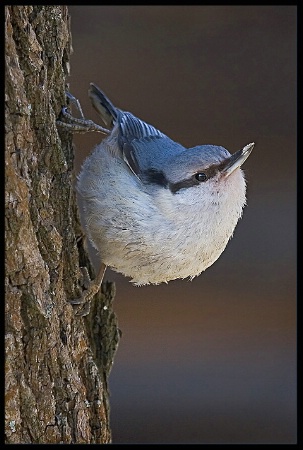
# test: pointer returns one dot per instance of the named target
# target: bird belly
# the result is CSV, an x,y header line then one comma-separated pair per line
x,y
132,232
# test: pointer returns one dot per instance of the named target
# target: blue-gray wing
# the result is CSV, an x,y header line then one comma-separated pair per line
x,y
144,147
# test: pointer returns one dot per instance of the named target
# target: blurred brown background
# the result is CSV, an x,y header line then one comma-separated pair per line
x,y
213,360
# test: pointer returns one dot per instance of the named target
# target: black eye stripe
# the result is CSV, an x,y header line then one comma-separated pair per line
x,y
175,187
155,176
194,180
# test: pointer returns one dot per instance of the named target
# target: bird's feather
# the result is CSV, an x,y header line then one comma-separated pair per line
x,y
104,107
143,146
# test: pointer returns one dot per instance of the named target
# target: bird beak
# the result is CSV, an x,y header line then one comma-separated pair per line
x,y
230,164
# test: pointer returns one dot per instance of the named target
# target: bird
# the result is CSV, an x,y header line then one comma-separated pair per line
x,y
153,209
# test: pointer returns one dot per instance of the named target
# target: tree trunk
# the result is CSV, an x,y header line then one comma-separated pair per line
x,y
57,363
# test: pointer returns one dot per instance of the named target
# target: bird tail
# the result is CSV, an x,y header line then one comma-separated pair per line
x,y
103,105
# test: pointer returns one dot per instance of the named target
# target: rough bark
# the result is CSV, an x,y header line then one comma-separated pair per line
x,y
57,364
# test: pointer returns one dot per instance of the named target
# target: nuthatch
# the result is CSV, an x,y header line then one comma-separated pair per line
x,y
154,210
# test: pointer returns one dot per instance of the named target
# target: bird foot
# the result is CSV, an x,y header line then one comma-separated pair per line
x,y
76,125
91,287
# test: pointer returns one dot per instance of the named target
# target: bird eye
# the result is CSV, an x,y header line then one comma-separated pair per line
x,y
201,176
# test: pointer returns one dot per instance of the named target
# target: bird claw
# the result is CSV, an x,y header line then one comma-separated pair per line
x,y
83,309
76,102
76,125
82,303
91,287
